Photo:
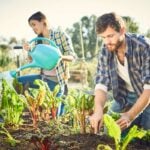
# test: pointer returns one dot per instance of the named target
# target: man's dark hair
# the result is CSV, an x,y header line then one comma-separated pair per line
x,y
39,16
109,20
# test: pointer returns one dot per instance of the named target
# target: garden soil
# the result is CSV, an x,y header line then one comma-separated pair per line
x,y
57,136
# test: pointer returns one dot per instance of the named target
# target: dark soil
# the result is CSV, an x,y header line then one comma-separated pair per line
x,y
59,137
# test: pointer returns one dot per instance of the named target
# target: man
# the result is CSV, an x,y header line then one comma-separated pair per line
x,y
124,68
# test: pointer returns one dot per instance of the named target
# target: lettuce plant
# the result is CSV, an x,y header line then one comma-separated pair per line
x,y
115,132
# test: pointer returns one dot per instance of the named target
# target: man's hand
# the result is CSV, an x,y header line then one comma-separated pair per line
x,y
96,120
124,121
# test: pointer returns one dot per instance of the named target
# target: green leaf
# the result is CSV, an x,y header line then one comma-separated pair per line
x,y
133,133
113,129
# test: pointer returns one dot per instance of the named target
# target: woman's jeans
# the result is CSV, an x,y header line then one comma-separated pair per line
x,y
28,81
143,120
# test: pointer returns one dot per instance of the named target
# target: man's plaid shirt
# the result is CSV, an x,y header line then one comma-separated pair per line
x,y
138,57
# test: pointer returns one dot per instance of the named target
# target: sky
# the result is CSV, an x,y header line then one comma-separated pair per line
x,y
15,13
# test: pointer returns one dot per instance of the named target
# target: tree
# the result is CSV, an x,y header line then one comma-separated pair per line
x,y
87,25
4,52
131,25
13,40
148,33
4,58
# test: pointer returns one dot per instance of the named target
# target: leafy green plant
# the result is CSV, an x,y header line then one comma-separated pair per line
x,y
35,99
146,138
79,105
52,101
43,143
133,133
115,115
103,147
42,102
115,132
11,105
9,139
18,86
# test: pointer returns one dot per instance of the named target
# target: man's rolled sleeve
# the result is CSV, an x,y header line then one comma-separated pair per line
x,y
102,77
101,87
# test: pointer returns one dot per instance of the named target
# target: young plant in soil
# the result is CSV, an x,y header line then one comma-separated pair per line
x,y
114,131
11,105
35,98
52,101
43,143
79,105
42,102
9,138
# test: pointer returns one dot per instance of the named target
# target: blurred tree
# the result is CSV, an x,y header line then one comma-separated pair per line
x,y
13,40
148,33
87,25
4,57
4,52
131,25
74,32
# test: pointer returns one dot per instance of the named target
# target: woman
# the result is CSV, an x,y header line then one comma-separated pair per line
x,y
38,22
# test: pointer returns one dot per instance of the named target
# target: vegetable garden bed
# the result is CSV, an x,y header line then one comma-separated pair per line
x,y
35,130
60,139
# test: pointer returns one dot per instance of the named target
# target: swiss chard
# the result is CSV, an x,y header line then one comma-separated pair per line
x,y
79,105
35,99
115,132
9,139
43,143
11,105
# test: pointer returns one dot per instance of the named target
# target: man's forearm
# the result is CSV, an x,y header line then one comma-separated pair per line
x,y
100,99
142,102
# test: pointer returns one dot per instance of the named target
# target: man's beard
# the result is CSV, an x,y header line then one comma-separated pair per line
x,y
114,47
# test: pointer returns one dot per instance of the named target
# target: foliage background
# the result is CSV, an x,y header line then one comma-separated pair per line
x,y
85,43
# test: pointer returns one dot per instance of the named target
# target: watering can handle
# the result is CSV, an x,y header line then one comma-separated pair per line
x,y
45,39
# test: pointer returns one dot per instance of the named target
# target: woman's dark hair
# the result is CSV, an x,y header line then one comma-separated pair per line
x,y
39,16
109,20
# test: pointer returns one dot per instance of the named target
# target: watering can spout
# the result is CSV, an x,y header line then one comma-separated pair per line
x,y
13,73
33,64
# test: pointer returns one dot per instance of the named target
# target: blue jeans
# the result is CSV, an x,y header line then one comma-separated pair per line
x,y
28,81
143,120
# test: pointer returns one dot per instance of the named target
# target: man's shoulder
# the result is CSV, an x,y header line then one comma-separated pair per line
x,y
139,39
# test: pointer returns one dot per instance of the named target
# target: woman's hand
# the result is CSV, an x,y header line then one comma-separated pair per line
x,y
26,46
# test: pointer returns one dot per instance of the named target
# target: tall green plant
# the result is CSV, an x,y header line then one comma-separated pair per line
x,y
115,132
35,99
11,105
79,105
9,138
42,102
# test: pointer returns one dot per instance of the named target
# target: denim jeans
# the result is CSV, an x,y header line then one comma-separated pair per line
x,y
143,120
28,81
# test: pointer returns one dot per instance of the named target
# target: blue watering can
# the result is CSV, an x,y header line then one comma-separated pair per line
x,y
43,56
